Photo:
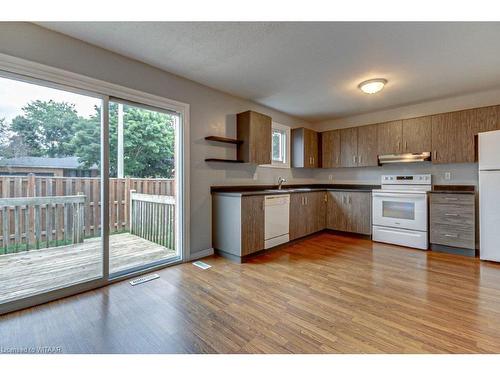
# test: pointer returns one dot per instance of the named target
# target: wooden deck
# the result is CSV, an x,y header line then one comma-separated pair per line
x,y
27,273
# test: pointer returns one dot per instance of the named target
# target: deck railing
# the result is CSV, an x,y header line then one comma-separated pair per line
x,y
152,217
36,222
119,195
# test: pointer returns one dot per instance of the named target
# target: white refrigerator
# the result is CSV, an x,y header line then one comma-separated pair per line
x,y
489,195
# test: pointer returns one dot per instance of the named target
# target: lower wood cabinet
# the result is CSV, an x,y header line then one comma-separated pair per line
x,y
307,213
252,224
238,224
349,211
452,220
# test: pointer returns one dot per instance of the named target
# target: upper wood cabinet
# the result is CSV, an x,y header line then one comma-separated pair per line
x,y
330,149
453,137
417,135
358,147
487,119
254,129
348,147
390,137
367,146
305,148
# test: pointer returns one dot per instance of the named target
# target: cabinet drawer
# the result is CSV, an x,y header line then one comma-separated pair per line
x,y
452,214
453,235
456,199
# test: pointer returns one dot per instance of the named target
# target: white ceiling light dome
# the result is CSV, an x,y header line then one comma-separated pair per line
x,y
372,86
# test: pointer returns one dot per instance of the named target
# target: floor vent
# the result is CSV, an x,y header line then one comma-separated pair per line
x,y
202,265
145,279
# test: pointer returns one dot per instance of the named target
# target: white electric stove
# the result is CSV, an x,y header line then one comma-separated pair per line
x,y
400,210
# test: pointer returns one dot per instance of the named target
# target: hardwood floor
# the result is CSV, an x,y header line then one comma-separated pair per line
x,y
326,294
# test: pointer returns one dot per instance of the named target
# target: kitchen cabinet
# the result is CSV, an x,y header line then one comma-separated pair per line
x,y
367,146
358,147
390,137
348,147
252,224
487,119
305,148
254,132
452,222
330,148
349,211
238,224
417,135
453,137
307,213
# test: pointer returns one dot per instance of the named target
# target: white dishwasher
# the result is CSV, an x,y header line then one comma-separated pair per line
x,y
277,211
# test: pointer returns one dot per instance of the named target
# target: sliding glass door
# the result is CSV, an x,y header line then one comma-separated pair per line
x,y
50,189
89,190
142,187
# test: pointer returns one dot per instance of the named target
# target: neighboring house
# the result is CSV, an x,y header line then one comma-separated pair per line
x,y
40,166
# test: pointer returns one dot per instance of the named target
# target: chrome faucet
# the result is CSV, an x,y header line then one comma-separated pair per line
x,y
280,182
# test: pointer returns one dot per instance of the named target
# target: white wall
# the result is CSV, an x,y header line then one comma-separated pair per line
x,y
212,112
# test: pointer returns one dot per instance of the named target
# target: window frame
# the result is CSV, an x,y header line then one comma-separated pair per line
x,y
288,133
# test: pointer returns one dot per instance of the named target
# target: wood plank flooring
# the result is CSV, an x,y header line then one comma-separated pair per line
x,y
326,294
32,272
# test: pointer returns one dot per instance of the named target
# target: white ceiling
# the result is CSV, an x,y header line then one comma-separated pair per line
x,y
311,70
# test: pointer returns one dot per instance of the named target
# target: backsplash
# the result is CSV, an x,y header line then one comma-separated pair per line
x,y
464,174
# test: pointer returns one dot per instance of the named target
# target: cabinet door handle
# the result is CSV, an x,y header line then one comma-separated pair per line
x,y
350,199
326,197
398,145
360,158
435,155
406,145
354,159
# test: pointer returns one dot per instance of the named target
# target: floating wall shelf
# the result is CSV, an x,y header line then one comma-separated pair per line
x,y
225,160
224,140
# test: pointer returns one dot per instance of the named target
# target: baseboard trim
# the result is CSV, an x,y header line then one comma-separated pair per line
x,y
201,254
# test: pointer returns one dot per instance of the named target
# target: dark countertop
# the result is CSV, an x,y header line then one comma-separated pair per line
x,y
453,189
287,189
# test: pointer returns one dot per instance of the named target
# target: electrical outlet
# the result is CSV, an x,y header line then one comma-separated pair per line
x,y
447,175
330,177
255,176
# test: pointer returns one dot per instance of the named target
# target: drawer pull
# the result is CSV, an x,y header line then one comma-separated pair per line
x,y
451,235
451,199
454,215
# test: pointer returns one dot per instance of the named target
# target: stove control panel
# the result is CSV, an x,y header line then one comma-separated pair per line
x,y
415,179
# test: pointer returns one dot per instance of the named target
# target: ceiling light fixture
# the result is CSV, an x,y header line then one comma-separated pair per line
x,y
372,86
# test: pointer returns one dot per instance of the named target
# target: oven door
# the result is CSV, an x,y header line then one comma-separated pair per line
x,y
400,210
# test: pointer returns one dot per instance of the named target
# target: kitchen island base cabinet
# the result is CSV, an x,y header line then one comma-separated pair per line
x,y
238,224
349,212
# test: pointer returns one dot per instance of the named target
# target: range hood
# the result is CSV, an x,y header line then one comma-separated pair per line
x,y
404,158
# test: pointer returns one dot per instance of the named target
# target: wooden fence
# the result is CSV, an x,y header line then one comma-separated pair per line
x,y
41,222
90,187
152,217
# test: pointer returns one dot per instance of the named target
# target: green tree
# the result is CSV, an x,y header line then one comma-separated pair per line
x,y
148,142
46,128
